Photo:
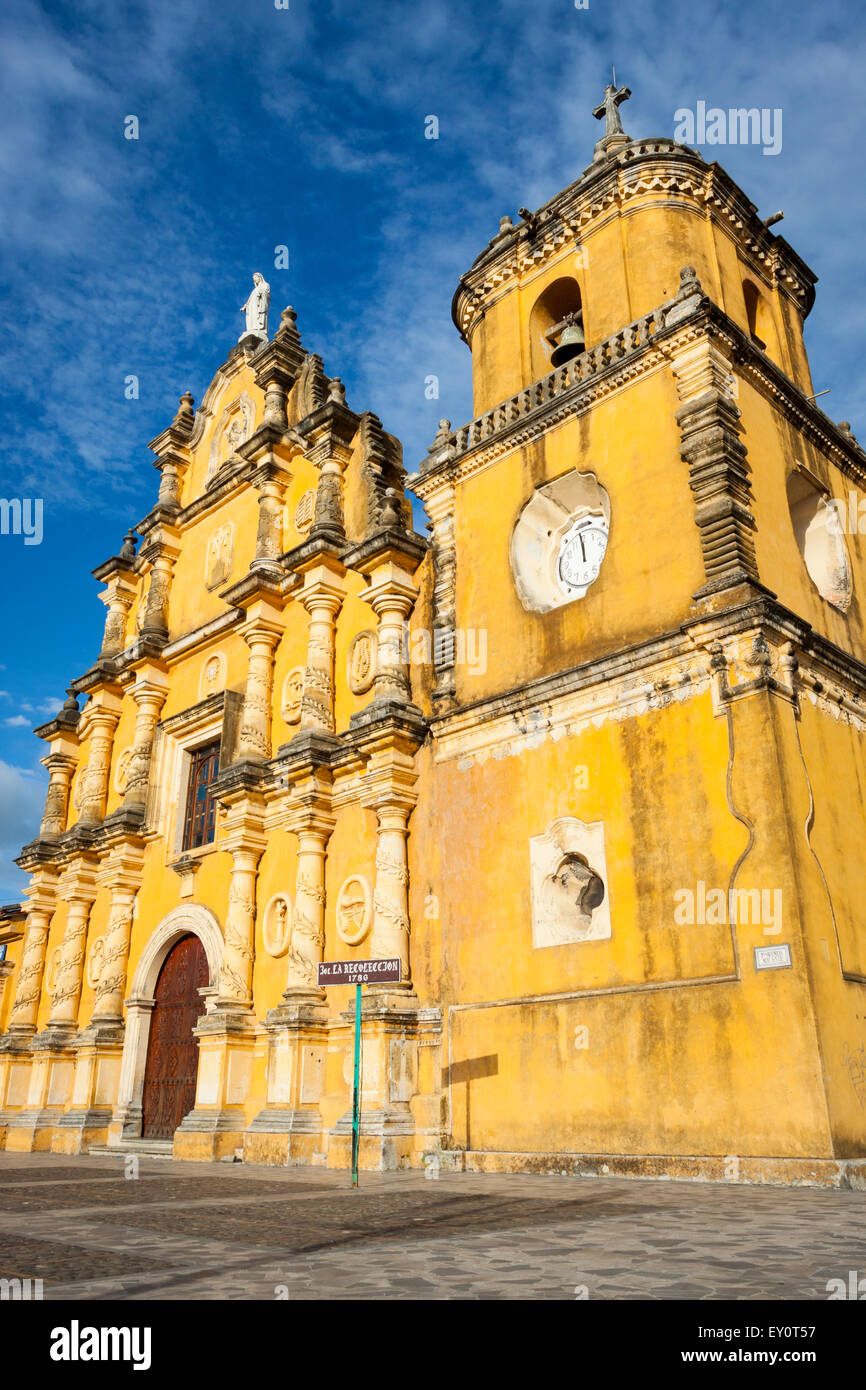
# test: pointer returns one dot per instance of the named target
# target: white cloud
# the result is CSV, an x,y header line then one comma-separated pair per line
x,y
22,799
17,721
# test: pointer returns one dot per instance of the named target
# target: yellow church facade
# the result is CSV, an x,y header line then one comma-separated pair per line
x,y
588,758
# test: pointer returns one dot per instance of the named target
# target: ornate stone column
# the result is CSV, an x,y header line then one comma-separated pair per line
x,y
149,693
262,636
101,722
78,889
308,920
276,366
390,740
271,482
28,989
391,896
392,597
160,552
173,456
118,599
389,559
61,767
236,975
322,595
121,870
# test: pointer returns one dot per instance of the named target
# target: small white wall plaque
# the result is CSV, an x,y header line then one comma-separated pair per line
x,y
772,957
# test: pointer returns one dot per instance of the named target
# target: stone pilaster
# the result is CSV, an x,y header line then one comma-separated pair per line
x,y
290,1126
439,505
78,890
118,599
719,472
28,990
390,740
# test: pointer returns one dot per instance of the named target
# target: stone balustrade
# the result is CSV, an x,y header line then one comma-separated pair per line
x,y
588,364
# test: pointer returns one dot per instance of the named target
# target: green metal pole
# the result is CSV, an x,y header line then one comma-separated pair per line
x,y
356,1089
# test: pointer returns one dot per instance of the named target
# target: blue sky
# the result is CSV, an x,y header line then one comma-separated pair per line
x,y
304,127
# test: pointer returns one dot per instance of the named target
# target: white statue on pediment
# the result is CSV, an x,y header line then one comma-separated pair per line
x,y
256,309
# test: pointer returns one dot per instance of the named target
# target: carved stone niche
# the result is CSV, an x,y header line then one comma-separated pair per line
x,y
568,871
277,925
818,525
559,541
234,426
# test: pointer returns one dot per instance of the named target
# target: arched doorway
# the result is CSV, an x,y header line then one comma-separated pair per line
x,y
172,1051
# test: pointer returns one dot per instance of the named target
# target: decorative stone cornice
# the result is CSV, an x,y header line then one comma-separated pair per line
x,y
641,348
764,648
641,168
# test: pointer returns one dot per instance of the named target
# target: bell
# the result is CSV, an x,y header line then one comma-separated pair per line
x,y
571,343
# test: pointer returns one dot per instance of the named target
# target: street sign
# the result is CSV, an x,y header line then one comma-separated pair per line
x,y
359,972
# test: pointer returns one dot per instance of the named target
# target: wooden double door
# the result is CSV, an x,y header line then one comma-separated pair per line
x,y
172,1051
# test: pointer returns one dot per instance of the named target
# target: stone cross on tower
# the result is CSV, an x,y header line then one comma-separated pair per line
x,y
614,135
609,109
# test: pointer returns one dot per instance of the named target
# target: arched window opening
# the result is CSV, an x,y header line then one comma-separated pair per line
x,y
759,318
556,326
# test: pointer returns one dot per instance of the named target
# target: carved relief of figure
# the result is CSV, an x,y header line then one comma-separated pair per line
x,y
211,676
220,556
354,909
362,662
234,434
277,928
256,308
293,692
570,894
121,774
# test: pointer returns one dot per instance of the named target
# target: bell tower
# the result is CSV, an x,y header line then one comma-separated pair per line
x,y
640,523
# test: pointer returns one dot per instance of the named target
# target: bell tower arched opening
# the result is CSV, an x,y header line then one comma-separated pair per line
x,y
558,309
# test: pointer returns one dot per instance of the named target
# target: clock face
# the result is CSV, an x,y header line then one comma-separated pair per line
x,y
581,552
